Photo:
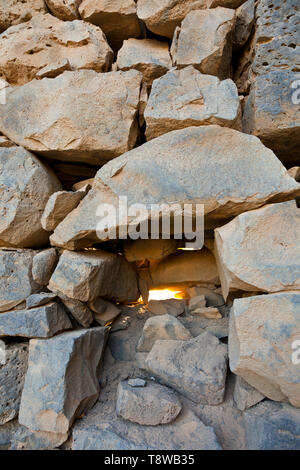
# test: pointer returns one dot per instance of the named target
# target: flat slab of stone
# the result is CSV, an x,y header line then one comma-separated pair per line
x,y
36,300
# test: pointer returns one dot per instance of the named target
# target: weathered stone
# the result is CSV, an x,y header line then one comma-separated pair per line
x,y
54,69
40,322
36,300
101,126
82,184
198,301
261,334
29,47
138,250
173,307
12,376
137,383
25,187
5,142
272,426
182,166
117,19
59,205
87,275
164,327
148,56
66,10
148,406
213,299
195,368
16,282
245,395
244,22
53,397
104,311
13,12
78,310
207,312
259,250
197,325
210,56
163,17
184,98
43,265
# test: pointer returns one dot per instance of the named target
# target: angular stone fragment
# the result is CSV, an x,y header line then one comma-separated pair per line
x,y
25,187
16,282
54,69
164,327
198,301
66,10
101,126
39,322
173,307
78,310
245,395
182,166
210,56
103,311
245,15
43,265
36,300
12,376
184,98
59,205
13,12
31,46
82,184
148,406
272,232
195,368
117,19
207,312
262,333
87,275
138,250
137,383
148,56
163,17
5,142
53,397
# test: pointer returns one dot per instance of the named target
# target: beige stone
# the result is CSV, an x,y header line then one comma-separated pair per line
x,y
104,312
5,142
207,312
59,205
25,187
117,19
66,10
101,126
245,16
186,97
260,251
205,41
54,69
162,17
173,307
224,3
262,333
198,301
31,46
182,167
294,172
138,250
83,184
149,56
13,12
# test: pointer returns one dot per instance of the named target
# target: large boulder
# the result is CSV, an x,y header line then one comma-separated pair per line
x,y
196,368
87,275
101,126
184,98
182,167
25,187
210,56
261,335
53,397
259,250
117,19
163,17
66,10
29,47
13,12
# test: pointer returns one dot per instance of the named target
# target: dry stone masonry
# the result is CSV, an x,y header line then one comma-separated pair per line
x,y
112,341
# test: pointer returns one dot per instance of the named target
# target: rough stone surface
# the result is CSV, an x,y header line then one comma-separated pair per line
x,y
36,300
103,311
164,327
40,322
271,232
210,56
195,368
198,301
137,250
78,310
29,47
13,12
173,307
59,205
245,16
261,335
117,19
183,166
53,397
272,426
87,275
66,10
25,187
148,56
184,98
12,376
207,312
43,265
245,395
148,406
101,126
137,382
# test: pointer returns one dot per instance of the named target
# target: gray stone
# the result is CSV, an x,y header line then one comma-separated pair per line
x,y
195,302
53,397
148,406
78,310
36,300
245,395
39,322
244,22
137,383
138,250
12,376
59,205
196,325
103,311
195,368
173,307
43,266
207,312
